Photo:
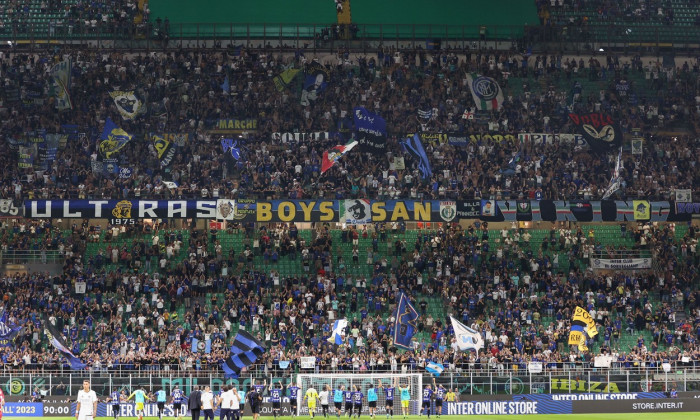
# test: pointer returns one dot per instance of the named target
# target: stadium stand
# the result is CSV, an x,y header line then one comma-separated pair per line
x,y
155,289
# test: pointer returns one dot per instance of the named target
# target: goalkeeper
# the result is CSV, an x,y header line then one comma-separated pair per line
x,y
405,393
311,397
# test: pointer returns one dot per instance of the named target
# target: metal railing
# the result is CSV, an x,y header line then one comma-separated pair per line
x,y
574,379
31,256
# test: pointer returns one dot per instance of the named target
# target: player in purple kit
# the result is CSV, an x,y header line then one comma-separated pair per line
x,y
440,392
427,396
357,397
389,398
293,398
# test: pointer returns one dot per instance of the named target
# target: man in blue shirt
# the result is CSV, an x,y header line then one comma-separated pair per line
x,y
372,400
338,399
276,397
389,398
160,402
427,396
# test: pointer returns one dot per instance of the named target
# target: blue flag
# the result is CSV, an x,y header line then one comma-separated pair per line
x,y
405,326
370,131
226,86
56,340
112,139
434,369
414,147
230,145
244,352
7,333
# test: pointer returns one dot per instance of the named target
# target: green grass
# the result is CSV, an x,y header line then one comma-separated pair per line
x,y
628,416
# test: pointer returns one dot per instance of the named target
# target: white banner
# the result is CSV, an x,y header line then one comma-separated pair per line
x,y
684,196
621,264
534,367
546,138
308,362
602,361
80,287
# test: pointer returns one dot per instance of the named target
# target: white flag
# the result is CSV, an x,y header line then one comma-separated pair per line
x,y
338,331
616,180
467,338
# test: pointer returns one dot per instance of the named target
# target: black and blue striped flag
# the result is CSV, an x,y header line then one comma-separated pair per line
x,y
56,339
244,352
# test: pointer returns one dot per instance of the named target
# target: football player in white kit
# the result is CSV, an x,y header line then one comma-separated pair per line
x,y
87,403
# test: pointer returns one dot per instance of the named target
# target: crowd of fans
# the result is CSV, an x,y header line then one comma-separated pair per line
x,y
183,93
146,317
74,17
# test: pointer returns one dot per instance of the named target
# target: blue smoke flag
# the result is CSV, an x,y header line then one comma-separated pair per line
x,y
226,86
7,333
338,331
434,369
405,326
244,352
414,147
56,340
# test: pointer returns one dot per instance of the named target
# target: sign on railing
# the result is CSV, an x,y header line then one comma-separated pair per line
x,y
621,264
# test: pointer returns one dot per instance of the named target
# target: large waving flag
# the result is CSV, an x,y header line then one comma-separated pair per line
x,y
370,130
616,180
467,338
486,92
56,339
113,139
582,325
128,104
283,80
414,147
338,331
405,325
60,84
7,333
330,157
244,352
434,369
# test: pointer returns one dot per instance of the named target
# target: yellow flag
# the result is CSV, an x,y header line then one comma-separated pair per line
x,y
642,209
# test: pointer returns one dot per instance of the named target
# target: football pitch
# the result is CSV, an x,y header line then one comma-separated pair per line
x,y
626,416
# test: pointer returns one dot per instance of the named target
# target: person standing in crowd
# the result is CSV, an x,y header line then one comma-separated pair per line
x,y
323,397
338,399
405,398
310,398
439,397
372,398
140,399
161,398
177,397
276,398
388,398
87,403
195,403
357,398
208,404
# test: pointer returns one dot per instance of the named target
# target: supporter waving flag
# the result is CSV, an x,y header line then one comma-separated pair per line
x,y
486,92
60,84
330,157
56,339
467,338
405,325
616,180
7,333
244,352
113,139
414,147
128,104
338,331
